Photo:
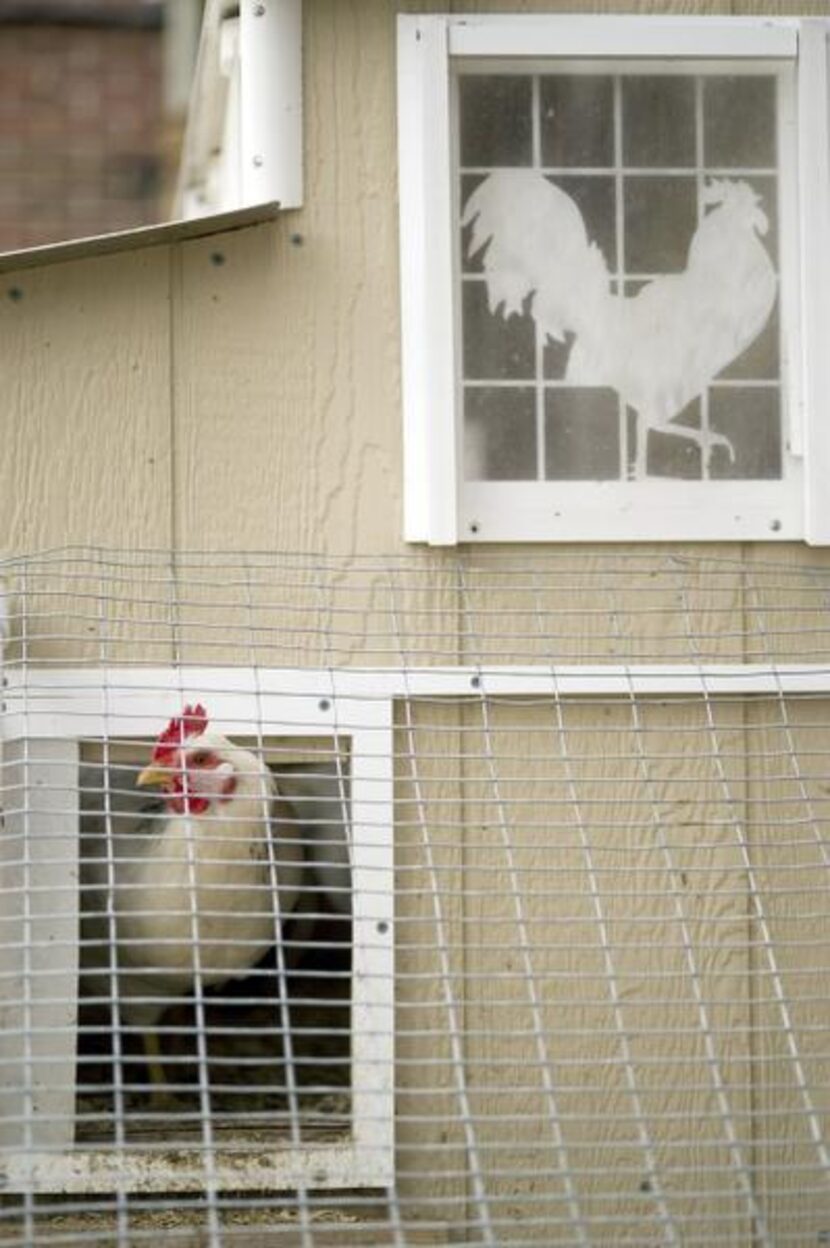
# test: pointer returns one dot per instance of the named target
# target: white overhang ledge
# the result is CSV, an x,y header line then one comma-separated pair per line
x,y
119,241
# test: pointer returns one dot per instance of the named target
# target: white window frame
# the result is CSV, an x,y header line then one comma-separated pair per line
x,y
441,509
46,716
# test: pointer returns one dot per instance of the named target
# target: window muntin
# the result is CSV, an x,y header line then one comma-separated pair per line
x,y
619,287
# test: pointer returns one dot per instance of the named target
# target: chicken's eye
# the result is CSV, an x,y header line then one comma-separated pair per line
x,y
200,758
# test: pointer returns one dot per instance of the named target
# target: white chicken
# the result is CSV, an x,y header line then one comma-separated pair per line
x,y
191,894
658,348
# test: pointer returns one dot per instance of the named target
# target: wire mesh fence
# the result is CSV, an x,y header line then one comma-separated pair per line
x,y
454,898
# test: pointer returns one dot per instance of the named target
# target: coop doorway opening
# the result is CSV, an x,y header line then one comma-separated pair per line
x,y
262,1055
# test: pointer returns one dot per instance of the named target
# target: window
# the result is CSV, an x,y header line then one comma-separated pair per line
x,y
297,1079
613,233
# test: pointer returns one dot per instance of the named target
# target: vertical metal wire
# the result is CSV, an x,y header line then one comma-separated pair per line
x,y
208,1150
740,1162
118,1100
284,1012
454,1008
755,896
327,611
812,1116
666,1218
530,979
393,1204
26,930
202,1055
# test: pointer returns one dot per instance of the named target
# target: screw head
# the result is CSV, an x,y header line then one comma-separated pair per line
x,y
258,161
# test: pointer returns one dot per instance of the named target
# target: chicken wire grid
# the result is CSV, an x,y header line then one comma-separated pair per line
x,y
581,799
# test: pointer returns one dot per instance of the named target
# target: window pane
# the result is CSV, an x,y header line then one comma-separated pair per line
x,y
739,122
760,361
658,122
660,219
766,190
495,118
751,419
594,196
577,121
495,349
582,434
499,434
556,357
471,261
675,454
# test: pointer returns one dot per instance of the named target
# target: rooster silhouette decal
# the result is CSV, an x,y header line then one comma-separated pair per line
x,y
659,348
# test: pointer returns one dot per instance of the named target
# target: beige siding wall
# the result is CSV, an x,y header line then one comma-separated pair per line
x,y
164,397
243,392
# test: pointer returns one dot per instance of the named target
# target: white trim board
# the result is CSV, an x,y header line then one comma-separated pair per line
x,y
609,35
119,241
43,703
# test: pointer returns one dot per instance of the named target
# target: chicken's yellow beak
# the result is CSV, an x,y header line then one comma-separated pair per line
x,y
153,775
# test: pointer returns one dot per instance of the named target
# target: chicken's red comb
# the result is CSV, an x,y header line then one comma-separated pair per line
x,y
192,723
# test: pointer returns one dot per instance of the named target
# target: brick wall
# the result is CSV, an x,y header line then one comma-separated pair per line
x,y
81,127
